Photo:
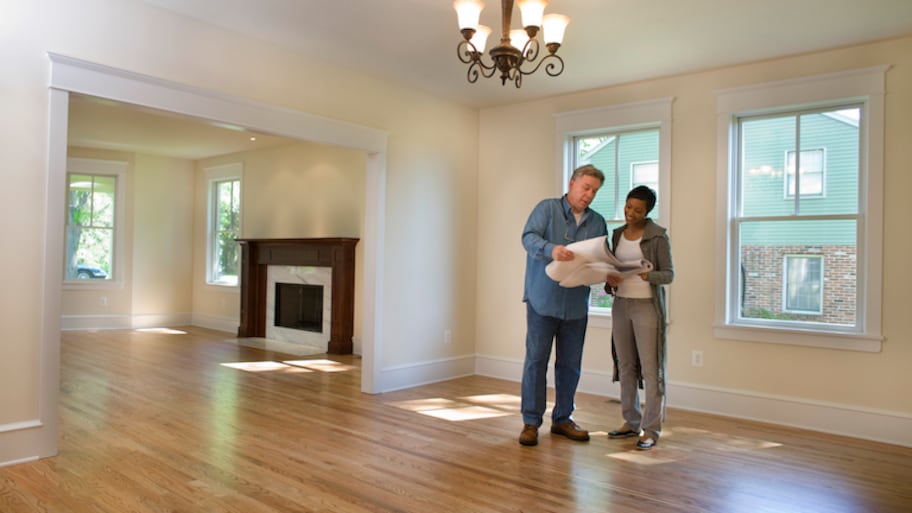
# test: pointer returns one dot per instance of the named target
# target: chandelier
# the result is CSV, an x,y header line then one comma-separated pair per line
x,y
518,50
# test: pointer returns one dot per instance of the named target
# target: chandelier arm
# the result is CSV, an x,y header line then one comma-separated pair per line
x,y
466,52
477,68
552,68
529,51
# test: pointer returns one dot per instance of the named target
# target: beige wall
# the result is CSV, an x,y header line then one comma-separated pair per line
x,y
429,191
154,281
296,190
862,382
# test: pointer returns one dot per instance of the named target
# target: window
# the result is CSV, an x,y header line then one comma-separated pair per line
x,y
811,173
631,144
802,267
803,286
224,224
93,219
645,173
628,159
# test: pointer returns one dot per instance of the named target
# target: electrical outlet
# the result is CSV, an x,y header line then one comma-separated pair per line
x,y
103,300
696,358
447,336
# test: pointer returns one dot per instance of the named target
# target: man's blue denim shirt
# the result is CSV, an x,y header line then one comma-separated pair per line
x,y
552,223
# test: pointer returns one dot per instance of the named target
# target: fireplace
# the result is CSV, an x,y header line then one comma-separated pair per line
x,y
299,307
336,255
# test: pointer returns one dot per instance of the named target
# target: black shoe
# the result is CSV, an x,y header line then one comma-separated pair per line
x,y
624,432
646,442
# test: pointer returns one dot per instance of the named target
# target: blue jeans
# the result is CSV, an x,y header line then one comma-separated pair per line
x,y
541,331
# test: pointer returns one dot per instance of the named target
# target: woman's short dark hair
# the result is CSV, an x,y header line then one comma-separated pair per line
x,y
641,192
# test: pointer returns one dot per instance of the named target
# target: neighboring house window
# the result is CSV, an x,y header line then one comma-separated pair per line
x,y
645,173
224,224
803,285
807,262
631,144
93,220
812,172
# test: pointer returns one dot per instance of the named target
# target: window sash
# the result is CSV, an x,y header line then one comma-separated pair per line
x,y
93,223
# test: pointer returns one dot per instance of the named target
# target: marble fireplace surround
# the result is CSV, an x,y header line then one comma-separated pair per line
x,y
337,253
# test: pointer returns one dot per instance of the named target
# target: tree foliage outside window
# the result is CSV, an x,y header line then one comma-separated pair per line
x,y
90,226
226,228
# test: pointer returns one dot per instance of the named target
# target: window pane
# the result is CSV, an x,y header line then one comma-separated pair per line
x,y
830,142
765,142
599,299
767,285
828,160
226,230
803,284
103,201
90,226
628,159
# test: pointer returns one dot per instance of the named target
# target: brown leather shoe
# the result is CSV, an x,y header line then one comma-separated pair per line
x,y
529,435
571,431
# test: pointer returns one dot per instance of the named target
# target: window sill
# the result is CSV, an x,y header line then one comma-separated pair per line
x,y
92,285
224,286
843,341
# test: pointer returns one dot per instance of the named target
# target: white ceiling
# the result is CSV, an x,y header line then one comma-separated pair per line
x,y
608,42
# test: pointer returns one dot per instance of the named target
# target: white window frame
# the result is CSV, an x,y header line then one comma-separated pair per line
x,y
865,86
215,175
649,114
117,169
785,284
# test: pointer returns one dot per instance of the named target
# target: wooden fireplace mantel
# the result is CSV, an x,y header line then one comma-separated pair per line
x,y
337,253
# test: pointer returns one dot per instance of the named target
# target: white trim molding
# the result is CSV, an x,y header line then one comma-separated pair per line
x,y
866,86
840,419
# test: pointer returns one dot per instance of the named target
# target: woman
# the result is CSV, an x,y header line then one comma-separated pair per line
x,y
639,319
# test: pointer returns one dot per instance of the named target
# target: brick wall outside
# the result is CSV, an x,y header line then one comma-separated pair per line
x,y
763,282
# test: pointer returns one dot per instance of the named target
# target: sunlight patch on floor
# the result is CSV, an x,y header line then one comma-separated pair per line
x,y
650,457
695,440
265,367
463,408
321,365
465,413
292,366
163,331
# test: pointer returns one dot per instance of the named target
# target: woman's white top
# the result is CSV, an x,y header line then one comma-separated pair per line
x,y
632,287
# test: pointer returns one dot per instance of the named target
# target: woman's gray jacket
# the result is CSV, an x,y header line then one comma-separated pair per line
x,y
656,248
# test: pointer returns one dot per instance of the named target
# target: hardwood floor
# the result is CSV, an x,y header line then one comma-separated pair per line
x,y
190,422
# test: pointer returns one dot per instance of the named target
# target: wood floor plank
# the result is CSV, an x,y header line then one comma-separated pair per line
x,y
189,421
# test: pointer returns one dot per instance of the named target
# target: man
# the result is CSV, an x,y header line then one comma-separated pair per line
x,y
554,313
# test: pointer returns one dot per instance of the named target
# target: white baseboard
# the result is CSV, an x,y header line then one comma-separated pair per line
x,y
21,442
122,322
840,419
212,322
423,373
95,322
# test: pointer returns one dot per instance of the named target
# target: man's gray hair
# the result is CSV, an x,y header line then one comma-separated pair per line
x,y
588,170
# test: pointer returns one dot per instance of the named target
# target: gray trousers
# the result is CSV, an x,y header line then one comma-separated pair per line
x,y
635,330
